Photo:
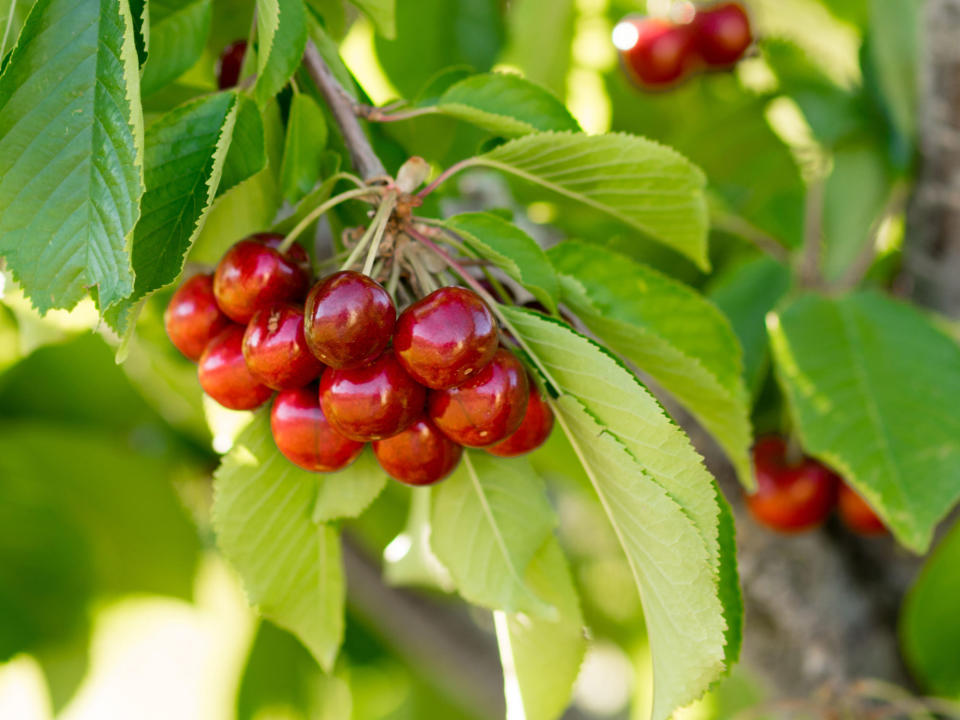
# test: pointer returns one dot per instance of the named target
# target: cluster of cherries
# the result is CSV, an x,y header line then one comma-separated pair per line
x,y
347,370
658,52
792,497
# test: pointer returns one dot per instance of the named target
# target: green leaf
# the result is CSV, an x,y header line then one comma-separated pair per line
x,y
545,55
303,150
669,331
348,492
248,153
178,33
280,673
489,520
71,153
541,658
729,583
874,390
282,35
290,565
383,13
511,250
893,51
637,181
929,625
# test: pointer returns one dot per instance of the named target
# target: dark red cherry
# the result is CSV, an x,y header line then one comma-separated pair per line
x,y
856,514
533,431
371,402
420,455
229,64
722,33
304,435
485,409
276,350
295,252
349,319
253,275
193,318
655,52
224,375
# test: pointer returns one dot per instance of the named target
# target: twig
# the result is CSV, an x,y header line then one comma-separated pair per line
x,y
808,270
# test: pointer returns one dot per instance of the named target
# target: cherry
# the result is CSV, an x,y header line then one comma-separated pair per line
x,y
722,33
295,253
276,350
224,375
533,431
349,319
192,319
254,275
371,402
229,64
305,436
656,52
789,498
485,409
420,455
856,514
446,337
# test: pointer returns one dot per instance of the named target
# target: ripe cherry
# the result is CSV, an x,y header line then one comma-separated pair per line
x,y
533,431
722,33
253,275
230,63
371,402
656,52
446,337
420,455
789,498
349,319
276,350
856,514
304,435
224,375
485,409
192,319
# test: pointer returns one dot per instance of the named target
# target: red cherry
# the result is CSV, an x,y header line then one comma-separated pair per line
x,y
276,350
371,402
420,455
253,275
856,514
295,252
662,52
722,33
192,319
533,431
446,337
349,319
790,498
229,64
304,435
485,409
224,375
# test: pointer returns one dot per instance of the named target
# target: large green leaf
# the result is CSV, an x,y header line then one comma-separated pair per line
x,y
669,331
71,152
282,36
178,33
874,388
347,493
303,150
637,181
489,520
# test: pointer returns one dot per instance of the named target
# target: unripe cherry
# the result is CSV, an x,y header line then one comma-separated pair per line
x,y
276,350
224,374
420,455
533,431
193,318
305,436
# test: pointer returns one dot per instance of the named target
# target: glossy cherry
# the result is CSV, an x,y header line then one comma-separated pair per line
x,y
253,275
305,436
230,63
722,33
856,514
485,409
533,431
371,402
349,319
655,52
224,375
275,348
446,337
193,318
420,455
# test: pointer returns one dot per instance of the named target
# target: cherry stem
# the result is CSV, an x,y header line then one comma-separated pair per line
x,y
394,275
320,210
378,114
379,226
449,172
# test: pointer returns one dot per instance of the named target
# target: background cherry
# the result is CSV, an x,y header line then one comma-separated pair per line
x,y
224,375
193,318
275,349
420,455
349,319
371,402
304,435
656,52
253,275
446,337
229,64
722,33
533,431
856,514
485,409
